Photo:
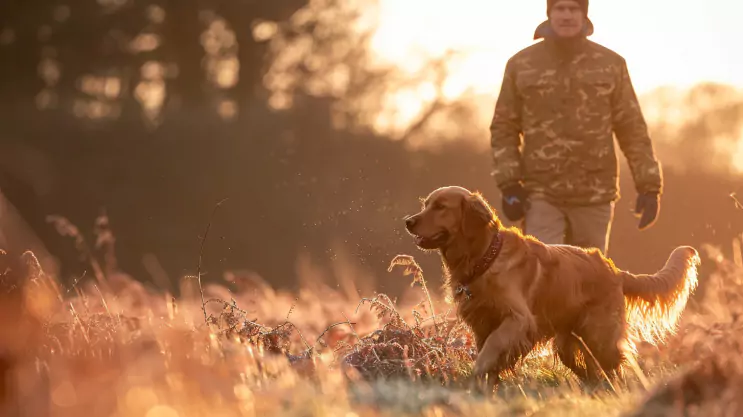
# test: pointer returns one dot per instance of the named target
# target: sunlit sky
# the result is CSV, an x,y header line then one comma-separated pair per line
x,y
665,42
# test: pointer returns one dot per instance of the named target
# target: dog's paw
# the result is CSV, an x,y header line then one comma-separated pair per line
x,y
484,363
483,385
480,369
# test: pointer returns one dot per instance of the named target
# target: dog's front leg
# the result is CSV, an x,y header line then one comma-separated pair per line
x,y
513,339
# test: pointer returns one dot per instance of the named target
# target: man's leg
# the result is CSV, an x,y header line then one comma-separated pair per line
x,y
545,222
590,226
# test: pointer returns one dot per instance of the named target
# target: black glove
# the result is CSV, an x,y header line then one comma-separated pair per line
x,y
514,202
647,208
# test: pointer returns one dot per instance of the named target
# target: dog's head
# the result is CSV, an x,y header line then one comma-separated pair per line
x,y
449,214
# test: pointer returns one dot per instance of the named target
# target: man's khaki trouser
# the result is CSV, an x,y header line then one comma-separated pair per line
x,y
584,226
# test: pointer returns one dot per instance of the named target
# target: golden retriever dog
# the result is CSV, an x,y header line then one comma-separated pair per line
x,y
516,293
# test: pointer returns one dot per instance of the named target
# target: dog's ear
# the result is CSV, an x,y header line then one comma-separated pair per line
x,y
476,214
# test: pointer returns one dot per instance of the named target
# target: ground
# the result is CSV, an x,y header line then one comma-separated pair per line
x,y
110,346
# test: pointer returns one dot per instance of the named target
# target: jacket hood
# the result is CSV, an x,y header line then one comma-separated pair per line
x,y
544,30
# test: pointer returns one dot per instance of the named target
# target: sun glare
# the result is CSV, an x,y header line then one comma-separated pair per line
x,y
665,42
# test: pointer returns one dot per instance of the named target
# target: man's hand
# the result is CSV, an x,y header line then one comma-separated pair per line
x,y
514,200
647,208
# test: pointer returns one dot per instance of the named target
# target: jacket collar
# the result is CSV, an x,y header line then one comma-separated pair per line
x,y
544,30
563,48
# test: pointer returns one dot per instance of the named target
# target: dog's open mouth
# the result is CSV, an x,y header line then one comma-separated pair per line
x,y
431,241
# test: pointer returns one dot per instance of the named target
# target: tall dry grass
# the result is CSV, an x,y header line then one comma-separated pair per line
x,y
110,346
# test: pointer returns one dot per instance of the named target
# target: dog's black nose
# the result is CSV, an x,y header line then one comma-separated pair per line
x,y
410,222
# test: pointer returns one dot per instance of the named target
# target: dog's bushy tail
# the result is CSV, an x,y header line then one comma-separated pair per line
x,y
655,302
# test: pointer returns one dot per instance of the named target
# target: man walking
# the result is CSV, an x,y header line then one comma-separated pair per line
x,y
567,96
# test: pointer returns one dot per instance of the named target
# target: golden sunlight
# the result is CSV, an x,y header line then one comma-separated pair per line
x,y
665,42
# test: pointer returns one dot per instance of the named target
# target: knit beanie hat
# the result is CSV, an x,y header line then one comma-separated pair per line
x,y
583,4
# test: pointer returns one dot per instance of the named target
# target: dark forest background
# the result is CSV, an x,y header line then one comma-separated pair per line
x,y
154,111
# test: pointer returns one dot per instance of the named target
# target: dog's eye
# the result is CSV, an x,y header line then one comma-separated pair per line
x,y
438,206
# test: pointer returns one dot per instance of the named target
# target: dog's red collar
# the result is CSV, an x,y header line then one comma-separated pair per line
x,y
489,257
482,265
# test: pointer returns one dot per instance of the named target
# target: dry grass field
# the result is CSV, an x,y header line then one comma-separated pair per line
x,y
110,346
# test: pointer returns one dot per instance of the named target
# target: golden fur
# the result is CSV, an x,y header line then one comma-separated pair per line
x,y
535,293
